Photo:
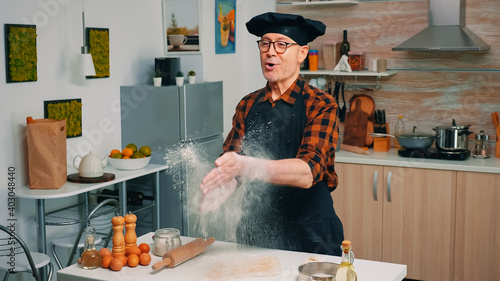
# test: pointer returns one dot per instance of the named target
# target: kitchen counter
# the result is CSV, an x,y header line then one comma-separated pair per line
x,y
195,268
391,158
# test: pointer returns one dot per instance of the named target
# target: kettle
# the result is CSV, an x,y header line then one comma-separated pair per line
x,y
91,166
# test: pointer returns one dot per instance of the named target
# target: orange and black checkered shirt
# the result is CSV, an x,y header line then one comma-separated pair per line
x,y
320,135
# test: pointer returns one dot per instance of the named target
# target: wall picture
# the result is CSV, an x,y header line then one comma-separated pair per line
x,y
20,53
225,26
181,26
69,110
98,42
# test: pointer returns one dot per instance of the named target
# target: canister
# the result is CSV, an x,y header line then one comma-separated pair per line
x,y
166,239
331,54
481,145
357,60
313,60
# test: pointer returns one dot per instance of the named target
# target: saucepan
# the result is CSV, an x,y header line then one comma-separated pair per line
x,y
413,140
318,271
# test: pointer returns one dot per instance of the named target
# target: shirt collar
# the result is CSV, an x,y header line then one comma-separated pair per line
x,y
289,96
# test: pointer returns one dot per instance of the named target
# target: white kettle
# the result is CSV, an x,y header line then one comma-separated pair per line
x,y
91,165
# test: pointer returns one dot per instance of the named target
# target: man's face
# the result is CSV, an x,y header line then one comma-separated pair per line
x,y
281,67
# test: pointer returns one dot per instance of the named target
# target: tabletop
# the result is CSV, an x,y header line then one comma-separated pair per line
x,y
196,268
71,189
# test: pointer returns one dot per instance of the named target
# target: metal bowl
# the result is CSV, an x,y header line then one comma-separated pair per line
x,y
318,271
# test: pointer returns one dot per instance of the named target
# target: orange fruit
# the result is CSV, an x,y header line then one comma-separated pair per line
x,y
133,250
144,258
113,152
124,259
125,157
116,264
127,151
144,247
106,261
105,252
133,260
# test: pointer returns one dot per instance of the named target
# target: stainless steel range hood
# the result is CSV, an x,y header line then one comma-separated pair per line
x,y
446,30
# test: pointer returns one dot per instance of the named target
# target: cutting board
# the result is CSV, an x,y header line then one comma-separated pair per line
x,y
242,267
355,126
367,105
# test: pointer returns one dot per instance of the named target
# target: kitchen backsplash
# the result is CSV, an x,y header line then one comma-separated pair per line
x,y
430,88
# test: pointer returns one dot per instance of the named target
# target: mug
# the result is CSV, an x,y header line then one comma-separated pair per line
x,y
321,83
313,82
177,40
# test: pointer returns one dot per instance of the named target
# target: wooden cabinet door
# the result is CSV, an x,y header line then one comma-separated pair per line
x,y
419,221
477,254
356,207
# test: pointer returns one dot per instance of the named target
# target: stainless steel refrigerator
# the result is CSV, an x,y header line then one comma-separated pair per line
x,y
177,123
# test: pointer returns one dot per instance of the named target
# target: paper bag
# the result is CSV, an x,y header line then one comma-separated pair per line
x,y
47,153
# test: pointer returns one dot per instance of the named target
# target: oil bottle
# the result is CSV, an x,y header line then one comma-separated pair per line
x,y
91,258
346,270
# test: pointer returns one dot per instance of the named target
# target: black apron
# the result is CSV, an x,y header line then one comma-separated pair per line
x,y
283,217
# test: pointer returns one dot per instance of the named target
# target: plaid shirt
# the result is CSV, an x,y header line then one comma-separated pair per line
x,y
320,136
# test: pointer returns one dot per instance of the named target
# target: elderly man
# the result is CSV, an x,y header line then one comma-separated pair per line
x,y
282,146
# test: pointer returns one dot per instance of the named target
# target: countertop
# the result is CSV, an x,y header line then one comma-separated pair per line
x,y
391,158
195,268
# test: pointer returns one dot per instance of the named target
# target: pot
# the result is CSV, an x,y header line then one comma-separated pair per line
x,y
318,271
452,138
412,140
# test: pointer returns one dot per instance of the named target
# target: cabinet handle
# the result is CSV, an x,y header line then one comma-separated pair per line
x,y
375,180
389,177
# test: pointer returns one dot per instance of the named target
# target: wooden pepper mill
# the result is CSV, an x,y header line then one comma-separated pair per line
x,y
118,237
130,234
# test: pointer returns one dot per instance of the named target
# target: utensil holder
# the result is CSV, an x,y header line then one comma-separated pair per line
x,y
497,149
382,144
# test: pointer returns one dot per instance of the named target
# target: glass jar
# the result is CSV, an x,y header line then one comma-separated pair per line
x,y
166,239
481,145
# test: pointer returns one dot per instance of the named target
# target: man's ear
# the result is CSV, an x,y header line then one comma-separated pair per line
x,y
303,52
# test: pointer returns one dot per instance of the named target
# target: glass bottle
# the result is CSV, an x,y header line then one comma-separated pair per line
x,y
346,270
345,47
399,127
91,258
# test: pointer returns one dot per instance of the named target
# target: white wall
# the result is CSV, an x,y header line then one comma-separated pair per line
x,y
135,40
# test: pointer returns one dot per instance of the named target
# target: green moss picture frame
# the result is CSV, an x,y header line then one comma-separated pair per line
x,y
98,42
20,53
71,110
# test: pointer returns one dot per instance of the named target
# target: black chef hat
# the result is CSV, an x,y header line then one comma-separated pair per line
x,y
298,28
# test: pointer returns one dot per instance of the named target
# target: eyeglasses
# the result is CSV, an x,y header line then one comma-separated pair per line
x,y
279,46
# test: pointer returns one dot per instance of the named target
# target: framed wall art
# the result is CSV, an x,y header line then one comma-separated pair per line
x,y
71,110
20,53
181,32
225,26
98,42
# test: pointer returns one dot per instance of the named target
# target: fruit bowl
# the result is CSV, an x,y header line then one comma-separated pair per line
x,y
129,164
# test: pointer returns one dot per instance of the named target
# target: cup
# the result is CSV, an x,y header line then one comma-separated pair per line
x,y
381,65
177,40
321,83
314,82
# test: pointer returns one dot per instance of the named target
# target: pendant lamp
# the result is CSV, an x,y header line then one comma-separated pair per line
x,y
85,58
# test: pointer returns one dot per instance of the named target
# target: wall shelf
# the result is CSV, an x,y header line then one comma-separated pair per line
x,y
363,73
321,3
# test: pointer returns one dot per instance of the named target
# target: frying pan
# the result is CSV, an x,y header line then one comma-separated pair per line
x,y
412,140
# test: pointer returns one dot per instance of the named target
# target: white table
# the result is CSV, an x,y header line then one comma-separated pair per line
x,y
71,189
223,251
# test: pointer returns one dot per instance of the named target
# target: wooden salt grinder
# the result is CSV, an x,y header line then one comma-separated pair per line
x,y
183,253
118,238
130,235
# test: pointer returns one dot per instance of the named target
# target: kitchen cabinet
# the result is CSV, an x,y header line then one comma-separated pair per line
x,y
401,215
477,253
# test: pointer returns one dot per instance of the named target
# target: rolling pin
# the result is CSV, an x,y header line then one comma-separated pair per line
x,y
183,253
354,149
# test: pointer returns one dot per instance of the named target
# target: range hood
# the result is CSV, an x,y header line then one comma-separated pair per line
x,y
446,30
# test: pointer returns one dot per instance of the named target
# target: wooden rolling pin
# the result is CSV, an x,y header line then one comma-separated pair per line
x,y
354,149
184,253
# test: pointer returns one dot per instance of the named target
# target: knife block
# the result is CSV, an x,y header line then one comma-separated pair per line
x,y
382,144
